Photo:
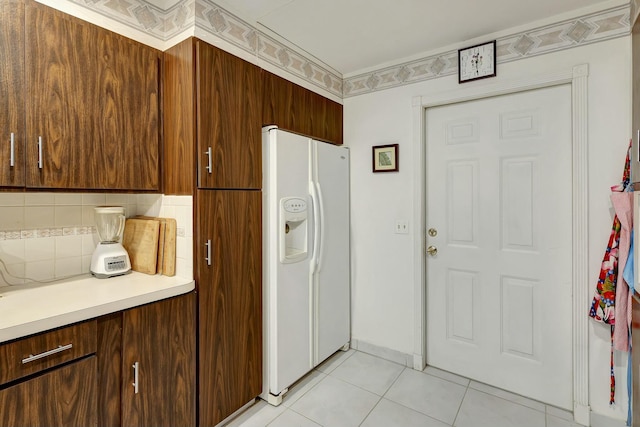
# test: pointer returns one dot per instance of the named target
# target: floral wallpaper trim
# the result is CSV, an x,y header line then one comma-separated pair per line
x,y
605,25
206,14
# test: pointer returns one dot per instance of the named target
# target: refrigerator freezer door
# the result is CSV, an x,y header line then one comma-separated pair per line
x,y
331,289
286,285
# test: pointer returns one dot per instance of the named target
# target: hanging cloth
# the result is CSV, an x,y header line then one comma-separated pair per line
x,y
604,300
623,205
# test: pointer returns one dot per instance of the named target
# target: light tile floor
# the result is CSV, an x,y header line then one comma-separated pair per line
x,y
356,389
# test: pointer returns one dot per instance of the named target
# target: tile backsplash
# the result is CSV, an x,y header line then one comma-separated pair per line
x,y
46,236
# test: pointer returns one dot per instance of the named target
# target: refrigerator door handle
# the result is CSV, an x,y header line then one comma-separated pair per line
x,y
320,219
316,226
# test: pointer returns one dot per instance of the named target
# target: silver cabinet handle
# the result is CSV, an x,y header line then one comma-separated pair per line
x,y
13,149
60,348
209,154
39,152
135,377
208,257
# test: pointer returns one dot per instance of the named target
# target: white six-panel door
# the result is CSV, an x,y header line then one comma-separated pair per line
x,y
499,212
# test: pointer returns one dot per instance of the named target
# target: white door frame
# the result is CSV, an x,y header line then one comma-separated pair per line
x,y
577,77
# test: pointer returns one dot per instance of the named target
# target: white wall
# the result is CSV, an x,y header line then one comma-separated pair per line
x,y
383,262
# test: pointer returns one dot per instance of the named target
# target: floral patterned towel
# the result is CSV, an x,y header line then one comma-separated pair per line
x,y
603,304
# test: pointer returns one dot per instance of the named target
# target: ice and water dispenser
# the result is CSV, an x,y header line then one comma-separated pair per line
x,y
293,229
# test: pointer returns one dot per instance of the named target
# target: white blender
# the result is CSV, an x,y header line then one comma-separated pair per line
x,y
110,258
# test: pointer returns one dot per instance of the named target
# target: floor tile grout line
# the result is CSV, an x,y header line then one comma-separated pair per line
x,y
508,400
371,410
307,391
384,396
460,407
364,389
302,415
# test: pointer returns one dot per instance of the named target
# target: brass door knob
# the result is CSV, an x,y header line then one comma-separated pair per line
x,y
432,250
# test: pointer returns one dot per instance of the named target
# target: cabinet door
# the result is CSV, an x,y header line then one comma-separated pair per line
x,y
12,133
178,119
230,301
286,105
229,102
63,397
159,342
297,109
92,106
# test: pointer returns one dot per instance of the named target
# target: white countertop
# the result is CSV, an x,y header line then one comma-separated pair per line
x,y
33,308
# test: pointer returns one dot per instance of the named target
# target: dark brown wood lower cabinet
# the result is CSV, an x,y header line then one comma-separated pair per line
x,y
64,397
159,342
230,301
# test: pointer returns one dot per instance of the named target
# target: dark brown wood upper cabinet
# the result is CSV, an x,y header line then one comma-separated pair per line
x,y
294,108
229,102
211,119
93,106
12,126
230,303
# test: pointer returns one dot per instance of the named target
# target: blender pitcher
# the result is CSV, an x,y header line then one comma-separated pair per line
x,y
110,258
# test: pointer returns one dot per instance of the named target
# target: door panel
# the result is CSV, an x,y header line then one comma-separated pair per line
x,y
93,99
230,301
499,287
332,290
65,397
12,93
161,338
229,108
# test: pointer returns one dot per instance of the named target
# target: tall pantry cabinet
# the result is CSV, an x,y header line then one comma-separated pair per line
x,y
215,107
213,152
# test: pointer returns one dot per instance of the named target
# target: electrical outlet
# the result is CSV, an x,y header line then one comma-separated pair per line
x,y
402,227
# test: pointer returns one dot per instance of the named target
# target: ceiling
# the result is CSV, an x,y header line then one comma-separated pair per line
x,y
354,36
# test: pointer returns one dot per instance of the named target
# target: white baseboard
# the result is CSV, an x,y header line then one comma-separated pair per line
x,y
404,359
599,420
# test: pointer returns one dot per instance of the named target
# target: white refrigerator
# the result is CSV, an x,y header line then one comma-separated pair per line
x,y
306,279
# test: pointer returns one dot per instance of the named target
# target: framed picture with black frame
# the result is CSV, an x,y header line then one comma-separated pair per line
x,y
477,62
385,158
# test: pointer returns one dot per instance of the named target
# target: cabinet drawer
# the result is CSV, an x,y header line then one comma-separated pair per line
x,y
29,355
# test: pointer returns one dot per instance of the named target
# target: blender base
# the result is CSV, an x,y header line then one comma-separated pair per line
x,y
110,260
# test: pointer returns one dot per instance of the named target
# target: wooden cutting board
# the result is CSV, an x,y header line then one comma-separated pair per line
x,y
166,261
140,239
169,251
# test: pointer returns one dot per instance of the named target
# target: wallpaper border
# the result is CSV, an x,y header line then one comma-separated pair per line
x,y
164,24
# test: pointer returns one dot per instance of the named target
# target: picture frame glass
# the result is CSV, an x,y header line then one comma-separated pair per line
x,y
477,62
385,158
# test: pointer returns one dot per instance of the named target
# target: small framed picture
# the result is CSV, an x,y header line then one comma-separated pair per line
x,y
385,158
477,62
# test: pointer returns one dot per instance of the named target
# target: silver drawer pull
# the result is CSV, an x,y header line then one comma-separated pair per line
x,y
12,162
60,348
135,383
208,257
39,152
209,166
